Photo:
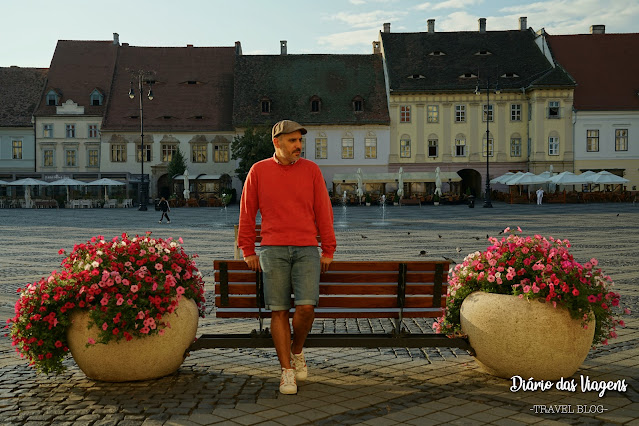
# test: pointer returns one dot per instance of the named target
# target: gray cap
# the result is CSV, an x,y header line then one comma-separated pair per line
x,y
286,126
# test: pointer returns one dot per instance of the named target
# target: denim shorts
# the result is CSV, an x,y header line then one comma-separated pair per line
x,y
290,269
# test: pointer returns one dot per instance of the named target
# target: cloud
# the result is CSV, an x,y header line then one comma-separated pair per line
x,y
423,6
456,4
346,41
367,19
357,2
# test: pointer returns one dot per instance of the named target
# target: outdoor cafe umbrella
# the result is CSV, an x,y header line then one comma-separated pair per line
x,y
400,183
105,182
187,191
503,178
566,178
527,179
27,183
438,182
67,182
3,182
360,189
606,177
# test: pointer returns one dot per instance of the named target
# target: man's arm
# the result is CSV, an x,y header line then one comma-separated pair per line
x,y
248,210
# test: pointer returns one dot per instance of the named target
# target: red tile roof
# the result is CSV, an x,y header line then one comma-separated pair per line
x,y
77,68
605,66
204,105
20,91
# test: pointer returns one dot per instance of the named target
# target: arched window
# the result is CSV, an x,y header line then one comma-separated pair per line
x,y
358,104
316,103
265,104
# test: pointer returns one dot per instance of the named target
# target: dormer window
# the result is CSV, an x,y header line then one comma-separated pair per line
x,y
509,75
483,53
96,98
192,82
358,104
316,104
416,76
468,75
266,105
167,117
437,53
53,98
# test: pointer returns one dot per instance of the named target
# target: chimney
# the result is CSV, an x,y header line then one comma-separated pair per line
x,y
387,27
376,48
283,47
116,38
189,45
597,29
523,23
482,25
431,26
238,48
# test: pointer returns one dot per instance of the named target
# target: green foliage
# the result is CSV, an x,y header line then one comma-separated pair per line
x,y
176,166
255,145
436,197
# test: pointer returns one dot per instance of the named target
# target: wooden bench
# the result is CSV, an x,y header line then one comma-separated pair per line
x,y
237,252
410,202
349,289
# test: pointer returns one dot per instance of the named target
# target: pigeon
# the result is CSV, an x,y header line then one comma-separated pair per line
x,y
487,236
409,233
458,250
501,232
450,260
422,253
477,238
364,236
439,236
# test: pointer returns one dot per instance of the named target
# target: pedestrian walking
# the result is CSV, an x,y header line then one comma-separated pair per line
x,y
291,195
540,195
164,206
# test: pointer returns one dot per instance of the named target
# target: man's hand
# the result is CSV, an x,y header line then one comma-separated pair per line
x,y
253,262
325,263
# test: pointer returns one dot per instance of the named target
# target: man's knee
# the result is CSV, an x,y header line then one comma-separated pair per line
x,y
305,311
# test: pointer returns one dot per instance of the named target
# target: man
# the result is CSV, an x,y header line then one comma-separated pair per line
x,y
291,196
540,196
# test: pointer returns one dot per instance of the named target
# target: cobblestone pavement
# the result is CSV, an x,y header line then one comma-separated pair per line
x,y
345,386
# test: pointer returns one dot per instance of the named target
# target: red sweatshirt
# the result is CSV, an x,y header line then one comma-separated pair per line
x,y
294,205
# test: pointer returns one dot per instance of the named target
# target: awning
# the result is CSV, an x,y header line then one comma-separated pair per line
x,y
208,177
366,177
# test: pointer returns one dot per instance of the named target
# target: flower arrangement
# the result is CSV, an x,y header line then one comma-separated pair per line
x,y
535,268
126,284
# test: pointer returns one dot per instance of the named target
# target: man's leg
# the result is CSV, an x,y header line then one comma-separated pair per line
x,y
302,323
281,332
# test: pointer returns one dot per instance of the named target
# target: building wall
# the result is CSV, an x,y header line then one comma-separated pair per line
x,y
7,162
607,157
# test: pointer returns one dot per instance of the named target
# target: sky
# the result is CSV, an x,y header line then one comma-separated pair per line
x,y
33,27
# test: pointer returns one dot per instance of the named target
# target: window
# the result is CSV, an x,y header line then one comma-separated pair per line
x,y
316,104
16,149
94,158
460,147
47,158
96,98
432,114
592,140
93,131
70,130
52,98
266,106
321,151
553,109
404,114
370,148
515,147
432,147
221,153
488,147
621,139
147,153
515,112
358,105
460,113
70,156
404,147
168,149
488,113
47,130
118,153
199,153
553,145
347,147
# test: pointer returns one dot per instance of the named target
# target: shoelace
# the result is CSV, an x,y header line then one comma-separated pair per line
x,y
288,378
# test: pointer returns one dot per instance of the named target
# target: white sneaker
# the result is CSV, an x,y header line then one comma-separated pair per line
x,y
299,364
159,221
288,386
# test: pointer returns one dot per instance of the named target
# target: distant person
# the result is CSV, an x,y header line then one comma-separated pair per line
x,y
540,195
291,195
164,206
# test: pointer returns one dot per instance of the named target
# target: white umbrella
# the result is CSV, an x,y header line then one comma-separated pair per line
x,y
400,183
502,178
586,177
606,177
438,182
566,178
360,189
3,182
526,179
67,182
27,182
105,182
187,191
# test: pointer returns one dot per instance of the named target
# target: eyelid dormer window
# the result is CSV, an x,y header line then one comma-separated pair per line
x,y
316,104
96,98
53,98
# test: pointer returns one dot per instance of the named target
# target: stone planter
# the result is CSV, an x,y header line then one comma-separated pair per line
x,y
517,337
138,359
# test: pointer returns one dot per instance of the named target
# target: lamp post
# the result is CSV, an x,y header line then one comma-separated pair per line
x,y
487,202
140,76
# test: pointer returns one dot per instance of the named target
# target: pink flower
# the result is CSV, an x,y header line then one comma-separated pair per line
x,y
134,288
104,326
91,341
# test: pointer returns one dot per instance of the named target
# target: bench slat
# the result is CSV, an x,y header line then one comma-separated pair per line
x,y
356,302
341,314
366,289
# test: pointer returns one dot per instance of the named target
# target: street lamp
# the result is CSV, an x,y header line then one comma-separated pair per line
x,y
487,202
141,81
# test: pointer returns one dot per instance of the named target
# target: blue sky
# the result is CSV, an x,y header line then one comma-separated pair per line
x,y
33,27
